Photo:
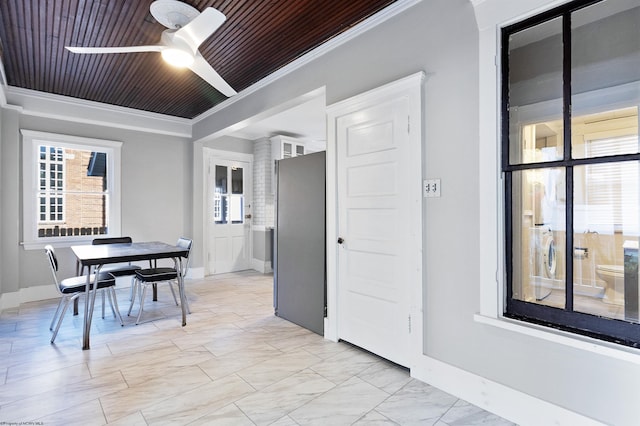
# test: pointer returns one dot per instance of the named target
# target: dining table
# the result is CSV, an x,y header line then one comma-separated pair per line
x,y
93,257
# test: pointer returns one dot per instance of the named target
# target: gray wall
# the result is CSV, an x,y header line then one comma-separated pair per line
x,y
230,143
262,245
156,192
441,38
11,208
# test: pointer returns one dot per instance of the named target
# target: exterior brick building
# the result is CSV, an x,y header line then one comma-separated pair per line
x,y
83,197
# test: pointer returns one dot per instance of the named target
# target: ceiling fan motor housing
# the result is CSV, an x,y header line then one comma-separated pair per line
x,y
173,14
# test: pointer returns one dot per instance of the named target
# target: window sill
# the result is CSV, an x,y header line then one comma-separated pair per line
x,y
599,347
59,242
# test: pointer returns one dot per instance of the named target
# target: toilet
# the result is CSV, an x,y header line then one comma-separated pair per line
x,y
613,276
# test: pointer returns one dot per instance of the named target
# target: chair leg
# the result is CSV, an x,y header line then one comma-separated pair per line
x,y
186,299
116,312
64,309
173,293
112,296
142,296
53,320
131,289
134,291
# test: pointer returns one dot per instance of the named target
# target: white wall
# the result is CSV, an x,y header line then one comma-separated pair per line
x,y
504,370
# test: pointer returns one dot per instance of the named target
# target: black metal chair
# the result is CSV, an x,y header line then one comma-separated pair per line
x,y
117,270
71,289
153,276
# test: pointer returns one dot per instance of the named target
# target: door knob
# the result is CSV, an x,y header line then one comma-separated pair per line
x,y
340,240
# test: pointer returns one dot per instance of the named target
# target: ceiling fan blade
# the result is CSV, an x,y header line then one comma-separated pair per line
x,y
201,27
201,67
116,49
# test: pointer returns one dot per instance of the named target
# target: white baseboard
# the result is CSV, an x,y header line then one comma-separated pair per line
x,y
195,273
29,294
501,400
263,266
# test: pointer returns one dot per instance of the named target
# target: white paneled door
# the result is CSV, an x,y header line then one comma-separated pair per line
x,y
228,215
378,204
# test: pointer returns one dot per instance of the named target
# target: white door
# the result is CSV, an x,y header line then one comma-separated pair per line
x,y
228,215
378,243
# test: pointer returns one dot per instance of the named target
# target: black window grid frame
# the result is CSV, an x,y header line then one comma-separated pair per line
x,y
565,319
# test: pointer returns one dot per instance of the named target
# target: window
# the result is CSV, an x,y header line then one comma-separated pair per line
x,y
71,189
228,200
571,163
51,182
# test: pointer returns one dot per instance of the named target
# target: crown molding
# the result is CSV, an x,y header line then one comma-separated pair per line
x,y
3,83
59,107
369,23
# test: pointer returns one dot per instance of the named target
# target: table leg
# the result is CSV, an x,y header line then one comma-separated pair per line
x,y
86,325
90,299
183,297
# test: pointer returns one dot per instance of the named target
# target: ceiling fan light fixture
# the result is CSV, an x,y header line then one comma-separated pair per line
x,y
177,57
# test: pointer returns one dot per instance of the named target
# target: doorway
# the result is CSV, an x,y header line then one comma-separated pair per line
x,y
228,201
374,240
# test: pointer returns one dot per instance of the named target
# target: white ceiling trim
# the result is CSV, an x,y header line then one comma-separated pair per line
x,y
380,17
47,105
490,13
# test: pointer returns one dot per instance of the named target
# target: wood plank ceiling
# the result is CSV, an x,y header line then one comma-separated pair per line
x,y
258,38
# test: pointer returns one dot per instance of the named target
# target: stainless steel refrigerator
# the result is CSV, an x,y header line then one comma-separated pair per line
x,y
299,241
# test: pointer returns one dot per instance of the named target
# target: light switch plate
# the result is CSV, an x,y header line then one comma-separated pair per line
x,y
431,188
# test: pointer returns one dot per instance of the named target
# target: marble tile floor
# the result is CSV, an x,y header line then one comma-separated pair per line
x,y
235,363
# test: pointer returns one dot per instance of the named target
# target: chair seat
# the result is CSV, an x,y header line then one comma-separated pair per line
x,y
79,284
121,271
156,274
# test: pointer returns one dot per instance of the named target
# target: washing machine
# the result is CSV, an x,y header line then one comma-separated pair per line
x,y
544,259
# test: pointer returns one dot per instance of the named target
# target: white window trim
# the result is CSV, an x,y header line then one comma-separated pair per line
x,y
48,164
492,15
30,141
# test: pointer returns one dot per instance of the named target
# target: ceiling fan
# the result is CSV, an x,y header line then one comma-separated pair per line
x,y
186,30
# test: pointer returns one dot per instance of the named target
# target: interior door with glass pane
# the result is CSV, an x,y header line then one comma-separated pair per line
x,y
229,217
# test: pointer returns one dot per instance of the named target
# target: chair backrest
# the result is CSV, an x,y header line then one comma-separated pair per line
x,y
185,243
105,240
53,264
112,240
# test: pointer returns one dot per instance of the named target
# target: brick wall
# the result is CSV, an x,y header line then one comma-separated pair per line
x,y
262,208
84,213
